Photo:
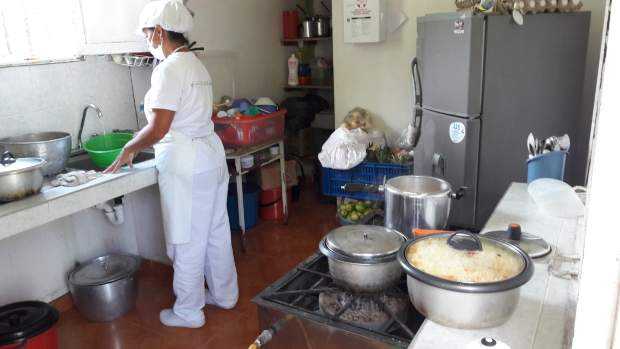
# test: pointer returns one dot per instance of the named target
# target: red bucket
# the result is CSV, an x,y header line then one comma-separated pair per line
x,y
28,325
271,205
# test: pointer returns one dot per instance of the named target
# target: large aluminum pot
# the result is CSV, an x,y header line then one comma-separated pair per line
x,y
466,305
106,287
54,147
362,258
414,202
19,177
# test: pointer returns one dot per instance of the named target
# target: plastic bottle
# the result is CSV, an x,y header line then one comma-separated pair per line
x,y
293,71
552,5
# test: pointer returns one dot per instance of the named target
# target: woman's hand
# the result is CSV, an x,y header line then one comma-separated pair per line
x,y
124,158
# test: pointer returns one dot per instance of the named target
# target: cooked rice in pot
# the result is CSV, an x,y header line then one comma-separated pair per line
x,y
494,263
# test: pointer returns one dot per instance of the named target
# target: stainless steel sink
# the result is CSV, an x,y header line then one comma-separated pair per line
x,y
82,161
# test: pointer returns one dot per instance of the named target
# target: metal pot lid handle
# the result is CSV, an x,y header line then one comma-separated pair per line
x,y
358,187
7,159
463,240
459,193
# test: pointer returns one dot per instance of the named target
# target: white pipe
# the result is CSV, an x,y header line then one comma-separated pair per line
x,y
114,214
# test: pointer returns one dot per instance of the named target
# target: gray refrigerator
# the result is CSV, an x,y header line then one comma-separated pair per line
x,y
482,84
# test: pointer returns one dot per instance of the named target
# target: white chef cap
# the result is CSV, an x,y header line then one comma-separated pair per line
x,y
171,15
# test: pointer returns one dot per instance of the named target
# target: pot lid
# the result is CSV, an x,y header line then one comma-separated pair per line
x,y
533,245
104,270
25,320
465,262
364,242
9,164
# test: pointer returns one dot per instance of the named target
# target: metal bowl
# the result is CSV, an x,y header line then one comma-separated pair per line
x,y
54,147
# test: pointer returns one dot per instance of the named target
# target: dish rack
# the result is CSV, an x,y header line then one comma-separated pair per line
x,y
134,60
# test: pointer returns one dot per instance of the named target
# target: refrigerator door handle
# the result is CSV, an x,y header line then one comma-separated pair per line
x,y
417,102
439,165
417,86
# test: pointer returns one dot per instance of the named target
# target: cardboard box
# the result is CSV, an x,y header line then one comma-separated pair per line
x,y
269,176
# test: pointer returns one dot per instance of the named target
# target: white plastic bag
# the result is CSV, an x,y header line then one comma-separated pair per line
x,y
344,149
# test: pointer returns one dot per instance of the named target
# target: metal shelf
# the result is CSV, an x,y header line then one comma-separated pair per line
x,y
302,41
309,87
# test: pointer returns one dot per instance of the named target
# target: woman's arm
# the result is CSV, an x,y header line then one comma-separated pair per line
x,y
147,137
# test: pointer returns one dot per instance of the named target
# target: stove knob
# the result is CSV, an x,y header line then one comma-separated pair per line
x,y
514,231
488,342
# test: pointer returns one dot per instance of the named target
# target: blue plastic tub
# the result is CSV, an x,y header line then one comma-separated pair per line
x,y
251,194
365,173
549,165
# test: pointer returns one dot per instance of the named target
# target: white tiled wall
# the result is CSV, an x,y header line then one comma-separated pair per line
x,y
52,97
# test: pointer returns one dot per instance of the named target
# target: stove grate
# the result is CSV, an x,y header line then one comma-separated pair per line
x,y
299,292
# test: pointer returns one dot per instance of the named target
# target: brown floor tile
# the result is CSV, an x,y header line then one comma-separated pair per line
x,y
272,250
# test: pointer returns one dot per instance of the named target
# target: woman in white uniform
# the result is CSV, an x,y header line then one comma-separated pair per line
x,y
193,176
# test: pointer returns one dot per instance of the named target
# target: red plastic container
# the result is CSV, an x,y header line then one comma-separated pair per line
x,y
271,205
243,131
28,325
290,24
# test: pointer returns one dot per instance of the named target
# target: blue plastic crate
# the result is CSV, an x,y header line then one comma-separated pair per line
x,y
365,173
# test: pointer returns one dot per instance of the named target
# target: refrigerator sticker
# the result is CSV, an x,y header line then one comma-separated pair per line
x,y
459,27
457,132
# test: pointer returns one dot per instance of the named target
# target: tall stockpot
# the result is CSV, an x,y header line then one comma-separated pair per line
x,y
414,202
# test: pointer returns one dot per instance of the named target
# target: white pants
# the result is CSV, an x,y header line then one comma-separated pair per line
x,y
209,254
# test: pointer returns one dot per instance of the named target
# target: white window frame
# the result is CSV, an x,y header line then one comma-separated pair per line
x,y
597,318
78,56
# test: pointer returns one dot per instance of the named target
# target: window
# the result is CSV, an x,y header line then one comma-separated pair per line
x,y
35,31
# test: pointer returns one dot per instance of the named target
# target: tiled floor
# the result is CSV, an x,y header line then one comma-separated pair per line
x,y
272,250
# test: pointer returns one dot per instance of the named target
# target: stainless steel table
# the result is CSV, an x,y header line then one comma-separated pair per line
x,y
236,155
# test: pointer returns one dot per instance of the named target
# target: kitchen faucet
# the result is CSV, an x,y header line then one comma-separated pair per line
x,y
84,113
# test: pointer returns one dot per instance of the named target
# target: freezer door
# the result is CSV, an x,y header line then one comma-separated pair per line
x,y
448,149
451,56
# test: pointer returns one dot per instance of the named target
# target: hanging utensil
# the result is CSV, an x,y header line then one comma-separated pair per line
x,y
564,142
531,145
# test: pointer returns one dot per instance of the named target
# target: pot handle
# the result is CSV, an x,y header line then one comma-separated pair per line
x,y
357,187
7,159
459,193
463,240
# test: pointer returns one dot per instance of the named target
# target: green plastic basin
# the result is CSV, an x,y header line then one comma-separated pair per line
x,y
103,150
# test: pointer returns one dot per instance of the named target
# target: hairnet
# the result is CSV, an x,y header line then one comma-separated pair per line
x,y
171,15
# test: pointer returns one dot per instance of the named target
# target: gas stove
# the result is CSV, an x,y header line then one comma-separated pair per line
x,y
307,309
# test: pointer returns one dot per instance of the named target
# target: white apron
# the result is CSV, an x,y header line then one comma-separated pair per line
x,y
175,159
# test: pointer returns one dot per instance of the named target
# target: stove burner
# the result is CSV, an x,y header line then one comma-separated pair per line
x,y
368,311
310,293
